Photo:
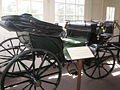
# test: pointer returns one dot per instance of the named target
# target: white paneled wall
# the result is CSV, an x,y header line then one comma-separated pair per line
x,y
94,9
116,4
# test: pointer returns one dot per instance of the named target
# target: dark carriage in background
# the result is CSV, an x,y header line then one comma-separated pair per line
x,y
93,32
96,34
36,60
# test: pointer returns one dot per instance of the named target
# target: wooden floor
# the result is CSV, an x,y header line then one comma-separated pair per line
x,y
111,82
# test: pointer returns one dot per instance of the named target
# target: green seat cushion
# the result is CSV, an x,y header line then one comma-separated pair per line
x,y
72,42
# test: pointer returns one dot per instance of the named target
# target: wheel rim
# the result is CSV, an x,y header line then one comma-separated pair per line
x,y
100,66
9,49
36,76
118,56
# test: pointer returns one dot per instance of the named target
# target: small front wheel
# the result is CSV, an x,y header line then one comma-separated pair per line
x,y
101,65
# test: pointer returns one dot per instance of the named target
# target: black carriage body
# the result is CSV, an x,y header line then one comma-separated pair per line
x,y
94,32
49,43
43,35
36,34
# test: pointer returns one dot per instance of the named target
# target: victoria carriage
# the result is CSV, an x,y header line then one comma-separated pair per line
x,y
39,51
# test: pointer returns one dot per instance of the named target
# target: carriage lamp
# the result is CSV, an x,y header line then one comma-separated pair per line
x,y
98,37
103,30
99,24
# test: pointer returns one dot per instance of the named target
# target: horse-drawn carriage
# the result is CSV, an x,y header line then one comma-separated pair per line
x,y
29,61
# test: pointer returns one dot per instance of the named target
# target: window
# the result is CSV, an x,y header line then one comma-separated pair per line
x,y
69,10
110,13
34,7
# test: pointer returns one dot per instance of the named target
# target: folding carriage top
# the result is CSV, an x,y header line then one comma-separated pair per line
x,y
27,23
34,33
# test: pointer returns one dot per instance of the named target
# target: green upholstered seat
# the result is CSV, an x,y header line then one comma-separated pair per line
x,y
72,42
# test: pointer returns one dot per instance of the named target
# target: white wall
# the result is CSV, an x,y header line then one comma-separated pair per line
x,y
88,10
0,7
116,4
112,3
94,9
49,10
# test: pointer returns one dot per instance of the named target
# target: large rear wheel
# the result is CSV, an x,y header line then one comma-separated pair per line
x,y
35,74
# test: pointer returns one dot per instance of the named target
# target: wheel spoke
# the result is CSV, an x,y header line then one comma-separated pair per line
x,y
12,47
17,83
90,67
18,49
7,50
107,64
13,67
6,59
105,58
25,67
5,56
97,55
102,56
15,75
94,70
46,68
48,82
31,87
34,87
19,67
4,64
33,65
43,60
42,87
105,69
22,49
26,86
99,72
49,74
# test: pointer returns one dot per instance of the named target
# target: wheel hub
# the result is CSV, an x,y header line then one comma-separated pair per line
x,y
37,83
